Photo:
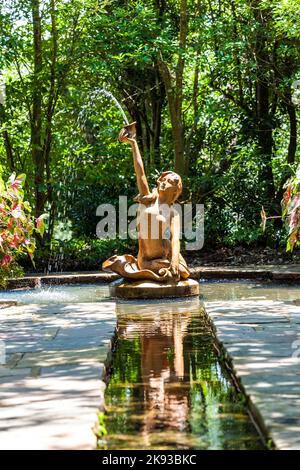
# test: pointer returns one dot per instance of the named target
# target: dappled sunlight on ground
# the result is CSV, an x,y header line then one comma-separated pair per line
x,y
51,383
262,338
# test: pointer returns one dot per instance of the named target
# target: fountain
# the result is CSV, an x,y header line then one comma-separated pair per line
x,y
159,270
108,94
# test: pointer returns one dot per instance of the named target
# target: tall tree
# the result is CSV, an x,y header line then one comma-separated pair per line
x,y
174,89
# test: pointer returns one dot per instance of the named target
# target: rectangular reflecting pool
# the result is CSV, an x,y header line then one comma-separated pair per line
x,y
167,388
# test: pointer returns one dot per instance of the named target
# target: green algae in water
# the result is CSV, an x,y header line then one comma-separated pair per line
x,y
168,389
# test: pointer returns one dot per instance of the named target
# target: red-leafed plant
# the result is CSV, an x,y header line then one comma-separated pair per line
x,y
291,210
17,226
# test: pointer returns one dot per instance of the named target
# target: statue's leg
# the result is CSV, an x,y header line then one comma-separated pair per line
x,y
154,264
183,268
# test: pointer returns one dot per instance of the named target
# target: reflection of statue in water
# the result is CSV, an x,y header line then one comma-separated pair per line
x,y
161,330
159,257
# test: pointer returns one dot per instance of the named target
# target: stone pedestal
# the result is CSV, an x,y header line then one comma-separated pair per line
x,y
125,289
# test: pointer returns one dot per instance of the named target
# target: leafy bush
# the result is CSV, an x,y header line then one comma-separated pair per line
x,y
17,227
11,271
80,254
291,210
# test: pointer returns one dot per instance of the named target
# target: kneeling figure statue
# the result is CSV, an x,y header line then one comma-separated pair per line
x,y
158,226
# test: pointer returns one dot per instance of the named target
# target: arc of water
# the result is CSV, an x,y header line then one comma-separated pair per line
x,y
56,261
108,94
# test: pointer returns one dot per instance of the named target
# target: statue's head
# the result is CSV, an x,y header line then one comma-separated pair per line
x,y
169,185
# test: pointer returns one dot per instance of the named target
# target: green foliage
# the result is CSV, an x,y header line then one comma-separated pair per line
x,y
286,16
240,70
13,270
101,428
291,210
85,254
17,227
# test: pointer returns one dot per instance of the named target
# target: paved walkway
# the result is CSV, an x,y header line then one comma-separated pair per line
x,y
51,384
262,339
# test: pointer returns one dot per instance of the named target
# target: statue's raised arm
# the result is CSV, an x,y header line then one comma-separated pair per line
x,y
128,135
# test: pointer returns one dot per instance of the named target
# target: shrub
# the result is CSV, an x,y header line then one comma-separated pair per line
x,y
291,210
17,227
8,272
80,254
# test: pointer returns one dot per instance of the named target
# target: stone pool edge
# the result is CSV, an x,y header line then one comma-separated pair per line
x,y
105,377
259,339
228,362
279,274
69,379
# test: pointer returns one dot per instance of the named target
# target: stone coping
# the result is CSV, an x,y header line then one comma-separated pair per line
x,y
53,380
273,273
34,281
258,340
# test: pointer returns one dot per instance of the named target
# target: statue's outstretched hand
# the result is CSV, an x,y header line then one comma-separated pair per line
x,y
124,136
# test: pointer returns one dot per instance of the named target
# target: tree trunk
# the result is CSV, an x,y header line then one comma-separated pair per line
x,y
291,110
7,141
195,123
36,121
158,96
174,91
263,112
49,119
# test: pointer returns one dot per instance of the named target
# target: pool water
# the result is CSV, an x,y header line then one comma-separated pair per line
x,y
168,389
209,291
64,294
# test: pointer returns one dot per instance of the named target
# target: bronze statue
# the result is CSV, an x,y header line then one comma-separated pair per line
x,y
159,257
